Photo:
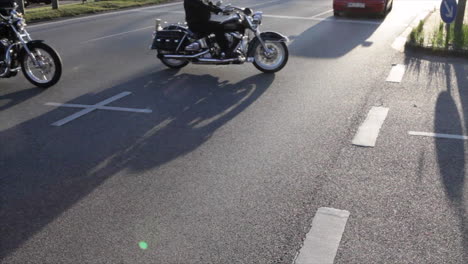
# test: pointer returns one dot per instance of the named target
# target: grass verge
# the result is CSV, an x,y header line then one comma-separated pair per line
x,y
47,13
436,37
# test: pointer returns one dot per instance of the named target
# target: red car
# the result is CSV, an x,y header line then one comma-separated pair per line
x,y
380,7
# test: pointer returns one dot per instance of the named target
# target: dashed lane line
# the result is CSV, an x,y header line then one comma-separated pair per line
x,y
368,132
323,239
397,73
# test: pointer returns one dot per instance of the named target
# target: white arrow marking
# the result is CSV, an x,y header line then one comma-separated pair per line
x,y
449,9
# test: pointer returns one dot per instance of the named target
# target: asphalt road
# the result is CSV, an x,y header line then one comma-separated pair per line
x,y
232,164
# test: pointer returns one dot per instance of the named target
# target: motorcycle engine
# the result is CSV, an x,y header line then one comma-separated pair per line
x,y
195,46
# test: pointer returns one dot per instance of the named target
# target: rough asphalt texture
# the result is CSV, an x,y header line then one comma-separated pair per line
x,y
232,164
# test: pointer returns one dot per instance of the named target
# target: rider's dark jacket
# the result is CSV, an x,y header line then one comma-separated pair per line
x,y
5,4
199,11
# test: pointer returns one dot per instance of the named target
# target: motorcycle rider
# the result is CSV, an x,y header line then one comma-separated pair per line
x,y
5,7
198,15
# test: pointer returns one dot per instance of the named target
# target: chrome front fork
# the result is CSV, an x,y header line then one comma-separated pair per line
x,y
22,36
265,48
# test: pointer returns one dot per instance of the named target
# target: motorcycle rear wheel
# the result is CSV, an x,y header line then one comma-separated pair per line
x,y
173,63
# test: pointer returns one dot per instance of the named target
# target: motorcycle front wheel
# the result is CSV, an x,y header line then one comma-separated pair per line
x,y
43,67
273,61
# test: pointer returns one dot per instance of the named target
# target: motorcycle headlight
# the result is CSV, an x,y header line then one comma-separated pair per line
x,y
257,18
21,24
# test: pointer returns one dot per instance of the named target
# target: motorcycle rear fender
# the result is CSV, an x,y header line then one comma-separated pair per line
x,y
266,36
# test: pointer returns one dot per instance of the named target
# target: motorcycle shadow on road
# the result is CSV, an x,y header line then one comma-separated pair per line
x,y
450,117
333,38
17,97
46,173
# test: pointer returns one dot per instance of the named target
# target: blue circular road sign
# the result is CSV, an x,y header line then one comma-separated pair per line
x,y
448,10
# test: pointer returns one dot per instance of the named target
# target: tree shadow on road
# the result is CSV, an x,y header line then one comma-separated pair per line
x,y
451,117
45,170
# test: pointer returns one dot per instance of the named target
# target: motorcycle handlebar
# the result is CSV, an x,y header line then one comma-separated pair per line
x,y
229,9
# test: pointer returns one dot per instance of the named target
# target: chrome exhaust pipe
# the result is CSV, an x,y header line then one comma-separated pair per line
x,y
185,56
217,61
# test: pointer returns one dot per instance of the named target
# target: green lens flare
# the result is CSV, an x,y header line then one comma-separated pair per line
x,y
143,245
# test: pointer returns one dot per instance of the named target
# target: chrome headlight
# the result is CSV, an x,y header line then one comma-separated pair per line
x,y
21,24
257,18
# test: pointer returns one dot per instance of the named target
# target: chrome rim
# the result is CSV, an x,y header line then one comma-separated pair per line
x,y
273,58
44,70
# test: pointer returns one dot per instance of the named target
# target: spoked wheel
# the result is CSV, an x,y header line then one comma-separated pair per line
x,y
44,67
273,59
173,63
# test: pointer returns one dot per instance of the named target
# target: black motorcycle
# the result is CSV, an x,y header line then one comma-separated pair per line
x,y
40,63
177,45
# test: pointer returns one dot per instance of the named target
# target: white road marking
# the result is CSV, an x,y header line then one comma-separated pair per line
x,y
323,239
436,135
104,14
397,73
338,20
115,35
368,132
314,18
90,108
265,3
326,12
112,108
400,41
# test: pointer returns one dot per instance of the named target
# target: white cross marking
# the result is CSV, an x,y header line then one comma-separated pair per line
x,y
89,108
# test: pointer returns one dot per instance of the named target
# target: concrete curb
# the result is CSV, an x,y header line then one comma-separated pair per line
x,y
400,42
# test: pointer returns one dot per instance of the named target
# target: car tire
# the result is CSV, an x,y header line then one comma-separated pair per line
x,y
336,13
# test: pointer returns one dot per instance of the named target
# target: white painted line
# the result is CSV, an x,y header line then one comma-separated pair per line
x,y
116,35
337,20
104,14
397,73
73,117
400,41
265,3
323,239
368,132
112,108
326,12
90,108
436,135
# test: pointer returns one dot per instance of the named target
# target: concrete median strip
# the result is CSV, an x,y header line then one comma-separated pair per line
x,y
323,239
400,41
